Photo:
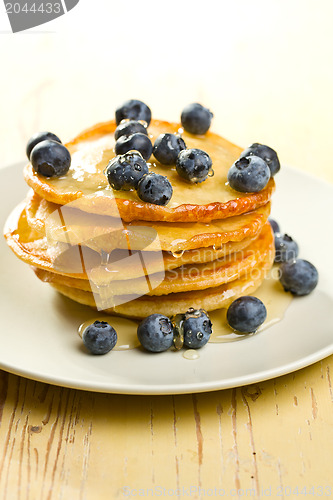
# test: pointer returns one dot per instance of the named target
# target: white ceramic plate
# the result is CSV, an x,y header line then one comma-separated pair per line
x,y
38,326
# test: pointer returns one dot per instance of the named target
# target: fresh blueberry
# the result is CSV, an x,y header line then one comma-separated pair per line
x,y
99,337
124,172
196,119
130,127
249,175
138,142
50,159
194,165
266,153
39,137
275,226
155,188
285,248
197,328
167,148
133,110
246,314
299,277
155,333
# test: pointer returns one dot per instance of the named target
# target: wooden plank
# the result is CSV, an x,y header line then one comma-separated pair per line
x,y
269,437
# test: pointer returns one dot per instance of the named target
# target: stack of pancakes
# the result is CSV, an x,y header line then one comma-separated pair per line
x,y
112,251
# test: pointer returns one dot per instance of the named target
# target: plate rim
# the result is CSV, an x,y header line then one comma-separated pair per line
x,y
155,390
183,388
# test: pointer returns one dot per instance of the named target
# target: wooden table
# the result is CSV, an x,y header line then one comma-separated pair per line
x,y
271,439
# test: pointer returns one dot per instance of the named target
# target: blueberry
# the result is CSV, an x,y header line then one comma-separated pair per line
x,y
299,277
155,188
197,328
50,159
155,333
275,226
196,119
246,314
130,127
133,110
266,153
167,148
249,175
99,337
194,165
124,172
285,248
39,137
138,142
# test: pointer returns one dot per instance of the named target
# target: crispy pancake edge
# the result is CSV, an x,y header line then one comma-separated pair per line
x,y
35,254
184,279
209,299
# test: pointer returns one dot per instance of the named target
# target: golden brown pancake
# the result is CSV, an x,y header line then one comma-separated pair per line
x,y
175,303
30,247
38,210
91,151
69,225
185,278
208,246
34,249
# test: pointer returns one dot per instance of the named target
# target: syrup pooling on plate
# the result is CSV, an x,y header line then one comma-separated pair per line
x,y
125,328
271,293
191,354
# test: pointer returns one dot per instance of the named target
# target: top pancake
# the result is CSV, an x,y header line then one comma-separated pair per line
x,y
91,151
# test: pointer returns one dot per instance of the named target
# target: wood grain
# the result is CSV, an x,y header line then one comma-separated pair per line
x,y
260,440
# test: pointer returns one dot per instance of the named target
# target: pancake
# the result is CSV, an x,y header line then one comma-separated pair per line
x,y
30,247
85,182
68,225
176,303
74,261
38,209
185,278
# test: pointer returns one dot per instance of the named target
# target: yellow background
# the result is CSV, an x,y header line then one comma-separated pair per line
x,y
263,67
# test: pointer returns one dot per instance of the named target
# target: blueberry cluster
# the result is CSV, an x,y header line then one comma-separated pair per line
x,y
193,165
297,276
157,333
252,171
133,118
47,155
129,170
